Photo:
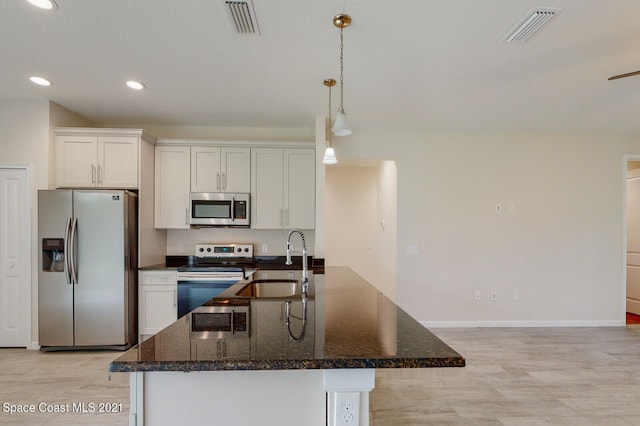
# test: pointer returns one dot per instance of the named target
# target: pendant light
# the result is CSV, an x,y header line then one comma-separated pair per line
x,y
341,127
329,153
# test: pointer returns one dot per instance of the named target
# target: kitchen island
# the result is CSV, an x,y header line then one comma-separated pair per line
x,y
302,357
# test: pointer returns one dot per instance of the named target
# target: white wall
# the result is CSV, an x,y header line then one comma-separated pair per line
x,y
358,200
561,248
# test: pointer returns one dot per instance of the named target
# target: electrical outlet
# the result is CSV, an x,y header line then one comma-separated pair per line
x,y
477,294
347,409
494,296
265,248
180,248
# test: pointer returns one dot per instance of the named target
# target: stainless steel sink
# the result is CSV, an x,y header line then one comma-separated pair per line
x,y
269,288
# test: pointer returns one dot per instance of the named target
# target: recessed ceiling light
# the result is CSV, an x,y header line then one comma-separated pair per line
x,y
41,81
44,4
135,85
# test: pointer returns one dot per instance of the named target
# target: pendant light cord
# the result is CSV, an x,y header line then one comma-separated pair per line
x,y
341,69
329,117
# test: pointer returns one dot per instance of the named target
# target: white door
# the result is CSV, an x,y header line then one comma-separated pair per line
x,y
14,258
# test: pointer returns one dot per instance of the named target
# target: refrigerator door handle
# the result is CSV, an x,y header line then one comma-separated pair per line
x,y
67,250
72,261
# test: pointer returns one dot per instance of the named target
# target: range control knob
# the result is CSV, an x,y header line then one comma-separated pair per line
x,y
246,249
239,250
208,249
201,249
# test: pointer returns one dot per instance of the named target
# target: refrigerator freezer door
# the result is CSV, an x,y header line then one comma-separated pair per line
x,y
100,268
55,295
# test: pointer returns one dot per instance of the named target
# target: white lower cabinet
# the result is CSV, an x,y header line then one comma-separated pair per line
x,y
157,301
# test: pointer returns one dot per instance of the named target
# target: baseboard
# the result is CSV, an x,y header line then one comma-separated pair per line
x,y
34,346
633,306
522,324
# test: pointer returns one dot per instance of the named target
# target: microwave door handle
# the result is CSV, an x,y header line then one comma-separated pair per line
x,y
233,209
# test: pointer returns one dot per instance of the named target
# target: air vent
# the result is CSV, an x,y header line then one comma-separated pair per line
x,y
242,16
530,24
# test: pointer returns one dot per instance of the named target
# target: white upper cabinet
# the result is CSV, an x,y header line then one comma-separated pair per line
x,y
172,184
93,158
282,188
220,169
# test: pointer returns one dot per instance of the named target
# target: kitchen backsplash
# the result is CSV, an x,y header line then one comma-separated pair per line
x,y
183,241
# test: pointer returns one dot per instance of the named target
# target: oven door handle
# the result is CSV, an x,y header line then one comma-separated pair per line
x,y
209,276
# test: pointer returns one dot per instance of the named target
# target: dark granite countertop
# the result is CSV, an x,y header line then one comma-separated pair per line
x,y
261,262
349,324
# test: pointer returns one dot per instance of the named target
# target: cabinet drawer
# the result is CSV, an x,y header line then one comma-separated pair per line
x,y
159,277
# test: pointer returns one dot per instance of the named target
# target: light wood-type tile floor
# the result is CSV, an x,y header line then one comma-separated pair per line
x,y
513,377
520,377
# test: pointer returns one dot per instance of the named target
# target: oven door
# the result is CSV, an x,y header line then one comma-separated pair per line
x,y
196,288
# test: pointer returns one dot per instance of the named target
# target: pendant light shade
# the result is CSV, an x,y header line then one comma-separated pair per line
x,y
340,126
329,156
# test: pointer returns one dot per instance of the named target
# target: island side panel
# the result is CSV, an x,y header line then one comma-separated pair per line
x,y
285,398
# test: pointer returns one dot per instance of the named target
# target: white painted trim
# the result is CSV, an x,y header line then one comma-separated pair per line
x,y
623,302
633,306
136,399
522,324
72,131
250,144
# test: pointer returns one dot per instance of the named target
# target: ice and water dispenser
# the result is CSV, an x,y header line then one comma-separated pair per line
x,y
53,254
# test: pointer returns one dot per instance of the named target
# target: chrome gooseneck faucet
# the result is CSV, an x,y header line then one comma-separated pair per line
x,y
305,274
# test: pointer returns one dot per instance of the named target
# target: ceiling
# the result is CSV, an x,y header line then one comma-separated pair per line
x,y
436,65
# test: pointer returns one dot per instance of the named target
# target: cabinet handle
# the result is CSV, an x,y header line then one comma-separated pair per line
x,y
281,218
99,174
286,217
93,173
186,216
175,298
218,181
224,181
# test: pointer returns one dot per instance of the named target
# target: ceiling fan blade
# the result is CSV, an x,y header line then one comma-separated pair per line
x,y
629,74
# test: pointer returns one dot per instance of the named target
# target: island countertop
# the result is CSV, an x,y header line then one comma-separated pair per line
x,y
349,324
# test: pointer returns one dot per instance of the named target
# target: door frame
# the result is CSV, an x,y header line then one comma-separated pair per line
x,y
29,253
625,160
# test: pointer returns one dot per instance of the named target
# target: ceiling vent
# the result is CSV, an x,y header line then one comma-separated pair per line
x,y
242,16
531,23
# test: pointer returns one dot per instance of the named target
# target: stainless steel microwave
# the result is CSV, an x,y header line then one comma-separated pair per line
x,y
219,209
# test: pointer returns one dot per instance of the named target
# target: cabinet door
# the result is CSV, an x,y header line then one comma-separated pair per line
x,y
266,188
157,307
235,167
76,161
117,162
172,177
299,188
205,169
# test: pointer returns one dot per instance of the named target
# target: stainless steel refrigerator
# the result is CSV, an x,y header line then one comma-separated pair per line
x,y
87,275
